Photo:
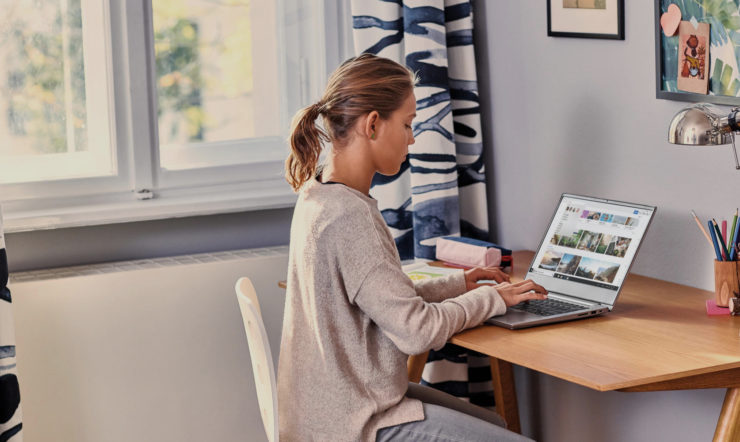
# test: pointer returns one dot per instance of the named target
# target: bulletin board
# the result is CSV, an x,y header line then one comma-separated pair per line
x,y
723,17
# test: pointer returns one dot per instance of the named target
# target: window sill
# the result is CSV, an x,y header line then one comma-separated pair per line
x,y
167,204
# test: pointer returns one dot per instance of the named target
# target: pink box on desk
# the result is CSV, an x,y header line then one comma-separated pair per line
x,y
467,252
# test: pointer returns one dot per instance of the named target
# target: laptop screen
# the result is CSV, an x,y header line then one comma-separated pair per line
x,y
589,247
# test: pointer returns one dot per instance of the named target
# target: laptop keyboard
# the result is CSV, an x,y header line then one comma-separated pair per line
x,y
547,307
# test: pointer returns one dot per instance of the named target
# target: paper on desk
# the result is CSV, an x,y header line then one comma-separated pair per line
x,y
420,271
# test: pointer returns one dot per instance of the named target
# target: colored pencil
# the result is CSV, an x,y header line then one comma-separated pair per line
x,y
732,233
724,230
734,246
703,230
721,241
714,240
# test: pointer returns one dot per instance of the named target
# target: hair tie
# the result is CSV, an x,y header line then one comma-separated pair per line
x,y
320,107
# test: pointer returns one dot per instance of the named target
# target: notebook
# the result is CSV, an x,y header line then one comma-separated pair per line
x,y
583,259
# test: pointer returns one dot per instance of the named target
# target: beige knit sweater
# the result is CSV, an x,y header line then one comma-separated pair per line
x,y
352,317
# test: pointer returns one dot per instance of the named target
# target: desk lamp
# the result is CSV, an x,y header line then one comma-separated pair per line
x,y
703,124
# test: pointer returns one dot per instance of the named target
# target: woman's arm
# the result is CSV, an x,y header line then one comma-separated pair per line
x,y
439,289
388,297
450,286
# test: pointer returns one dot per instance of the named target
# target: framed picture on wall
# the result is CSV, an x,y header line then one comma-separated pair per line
x,y
586,18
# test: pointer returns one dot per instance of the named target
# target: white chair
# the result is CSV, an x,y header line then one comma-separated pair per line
x,y
259,351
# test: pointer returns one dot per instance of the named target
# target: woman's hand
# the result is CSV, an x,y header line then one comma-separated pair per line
x,y
513,294
475,274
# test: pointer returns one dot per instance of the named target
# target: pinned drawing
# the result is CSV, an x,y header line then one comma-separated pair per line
x,y
693,59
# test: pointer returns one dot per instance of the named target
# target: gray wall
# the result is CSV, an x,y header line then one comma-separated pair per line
x,y
580,116
150,239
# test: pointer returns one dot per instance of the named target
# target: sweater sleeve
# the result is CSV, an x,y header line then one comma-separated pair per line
x,y
439,289
414,325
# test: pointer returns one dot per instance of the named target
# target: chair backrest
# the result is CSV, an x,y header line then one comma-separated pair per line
x,y
259,352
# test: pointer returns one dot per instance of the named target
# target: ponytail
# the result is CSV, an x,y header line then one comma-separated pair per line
x,y
305,146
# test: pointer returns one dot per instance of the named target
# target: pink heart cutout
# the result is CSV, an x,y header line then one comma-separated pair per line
x,y
670,20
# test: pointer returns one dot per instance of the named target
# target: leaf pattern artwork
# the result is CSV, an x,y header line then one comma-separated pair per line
x,y
723,17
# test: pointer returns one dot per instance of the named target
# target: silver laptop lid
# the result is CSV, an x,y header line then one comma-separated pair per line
x,y
589,247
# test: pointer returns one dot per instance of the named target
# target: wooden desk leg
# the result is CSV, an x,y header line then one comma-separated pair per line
x,y
416,366
504,392
729,419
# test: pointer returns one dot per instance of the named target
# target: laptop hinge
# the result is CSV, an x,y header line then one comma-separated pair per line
x,y
583,300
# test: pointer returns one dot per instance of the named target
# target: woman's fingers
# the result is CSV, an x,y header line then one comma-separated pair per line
x,y
513,294
528,284
493,273
472,276
496,274
528,296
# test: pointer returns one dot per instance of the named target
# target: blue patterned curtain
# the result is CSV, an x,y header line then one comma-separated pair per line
x,y
10,398
440,189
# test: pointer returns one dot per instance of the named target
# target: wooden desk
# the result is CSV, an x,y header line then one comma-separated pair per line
x,y
658,337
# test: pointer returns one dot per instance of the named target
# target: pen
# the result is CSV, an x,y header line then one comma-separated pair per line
x,y
703,230
721,241
714,240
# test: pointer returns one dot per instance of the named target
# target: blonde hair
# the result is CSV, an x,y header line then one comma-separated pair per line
x,y
359,86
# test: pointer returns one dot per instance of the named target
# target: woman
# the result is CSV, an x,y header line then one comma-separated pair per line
x,y
352,316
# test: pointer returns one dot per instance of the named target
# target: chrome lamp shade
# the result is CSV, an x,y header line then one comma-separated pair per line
x,y
703,124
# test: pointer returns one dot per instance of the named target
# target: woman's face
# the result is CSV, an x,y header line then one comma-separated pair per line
x,y
393,137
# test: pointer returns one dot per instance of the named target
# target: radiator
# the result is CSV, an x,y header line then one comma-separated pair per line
x,y
147,350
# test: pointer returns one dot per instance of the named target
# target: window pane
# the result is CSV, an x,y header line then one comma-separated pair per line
x,y
216,74
43,94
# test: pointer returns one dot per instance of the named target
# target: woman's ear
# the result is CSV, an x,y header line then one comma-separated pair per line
x,y
371,123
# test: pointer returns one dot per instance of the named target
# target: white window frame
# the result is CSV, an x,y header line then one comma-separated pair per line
x,y
141,190
99,91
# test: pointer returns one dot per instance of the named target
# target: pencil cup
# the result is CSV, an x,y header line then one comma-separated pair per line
x,y
726,281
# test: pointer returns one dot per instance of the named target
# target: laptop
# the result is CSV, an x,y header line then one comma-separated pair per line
x,y
582,261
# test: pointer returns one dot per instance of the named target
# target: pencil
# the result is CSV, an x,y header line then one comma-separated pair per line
x,y
714,241
731,240
703,230
724,229
734,247
721,241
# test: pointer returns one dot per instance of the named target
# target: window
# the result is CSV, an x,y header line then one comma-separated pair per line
x,y
123,110
57,122
208,109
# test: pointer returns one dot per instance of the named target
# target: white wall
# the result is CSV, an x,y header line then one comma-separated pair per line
x,y
149,354
580,116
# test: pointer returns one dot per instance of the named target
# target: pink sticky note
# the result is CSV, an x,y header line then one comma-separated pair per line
x,y
714,310
670,20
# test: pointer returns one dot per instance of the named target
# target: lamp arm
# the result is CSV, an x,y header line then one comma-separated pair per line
x,y
733,121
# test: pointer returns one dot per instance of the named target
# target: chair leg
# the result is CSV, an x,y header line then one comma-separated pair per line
x,y
416,366
504,392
